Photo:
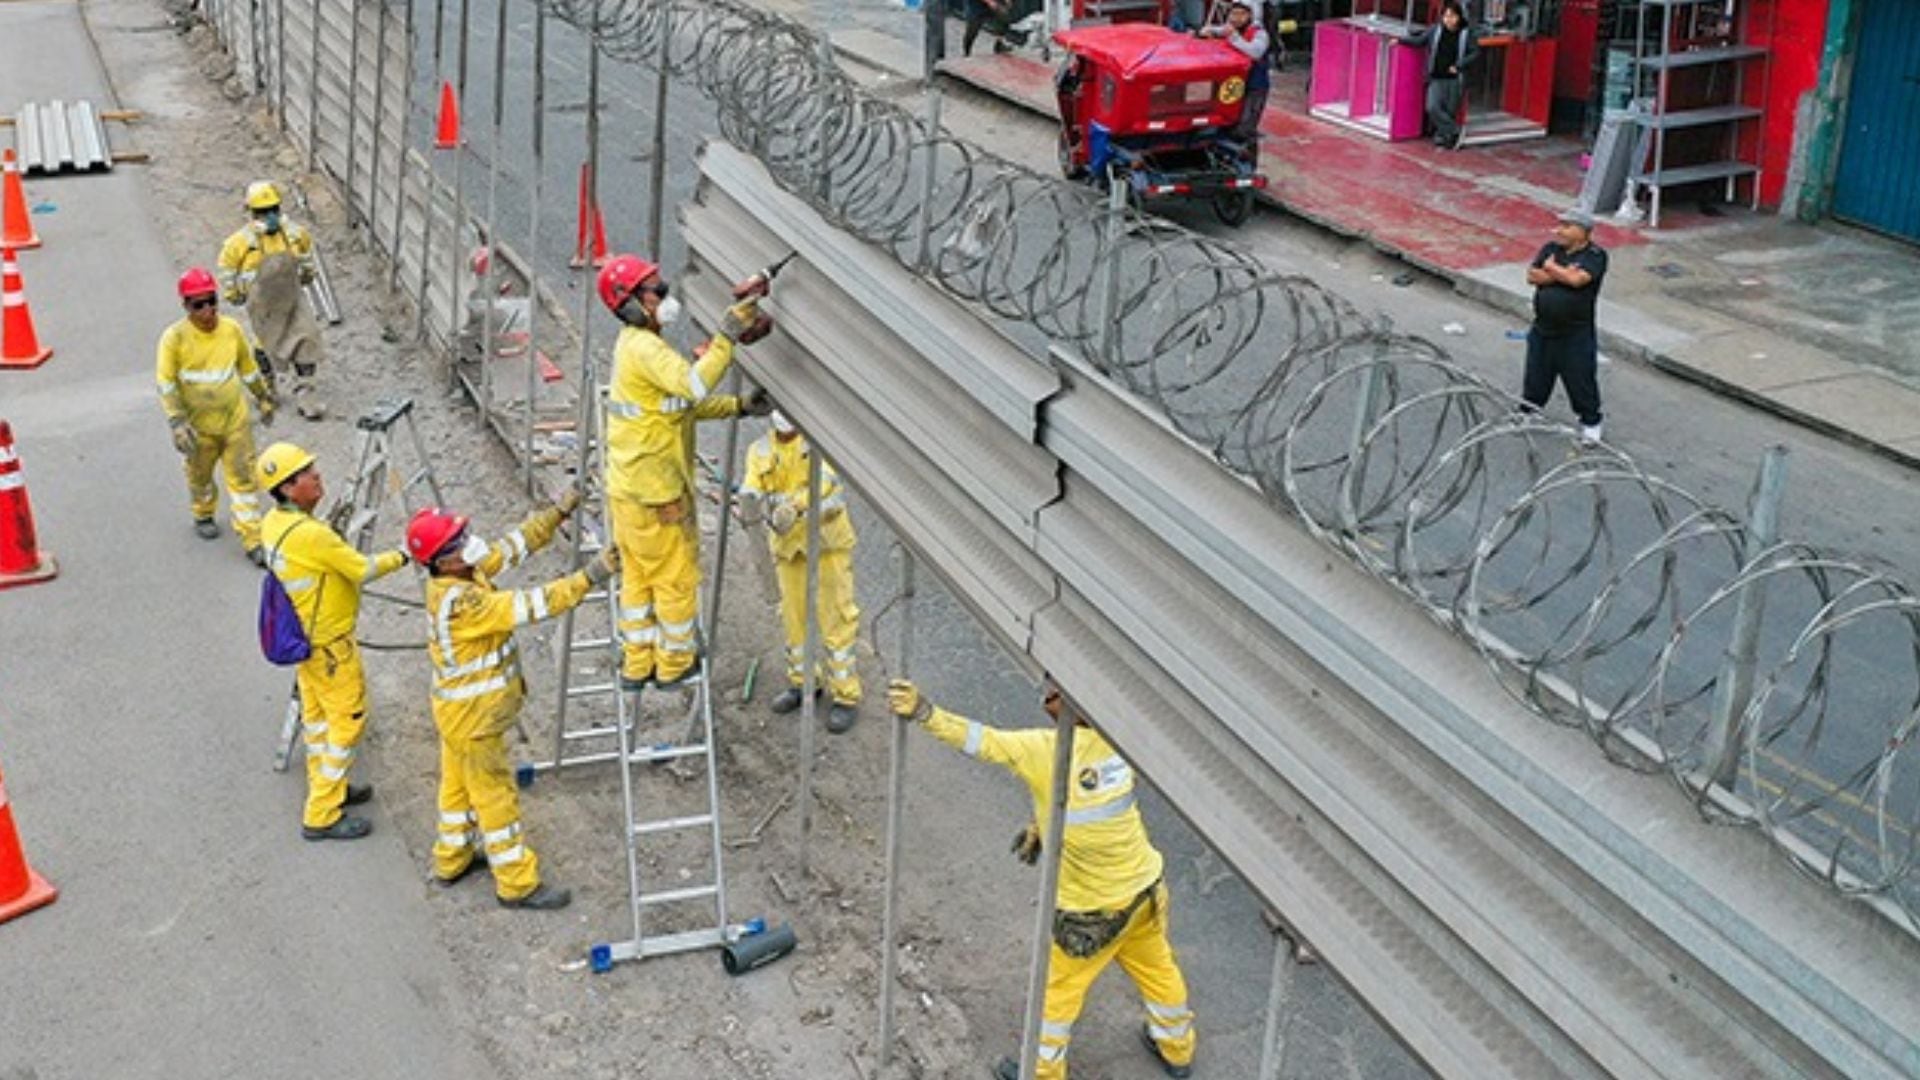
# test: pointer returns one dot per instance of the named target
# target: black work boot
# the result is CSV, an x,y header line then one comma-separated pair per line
x,y
357,794
476,863
630,684
1178,1072
689,677
543,898
842,716
1008,1069
347,828
205,529
786,701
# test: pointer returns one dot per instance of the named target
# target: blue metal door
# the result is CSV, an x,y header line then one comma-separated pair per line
x,y
1878,183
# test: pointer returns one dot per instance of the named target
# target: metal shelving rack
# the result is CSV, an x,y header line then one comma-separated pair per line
x,y
1659,118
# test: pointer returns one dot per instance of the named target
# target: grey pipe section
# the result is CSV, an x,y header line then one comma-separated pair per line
x,y
1049,888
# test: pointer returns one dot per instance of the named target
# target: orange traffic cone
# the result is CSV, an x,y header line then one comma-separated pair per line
x,y
19,345
21,890
447,134
590,226
16,225
21,560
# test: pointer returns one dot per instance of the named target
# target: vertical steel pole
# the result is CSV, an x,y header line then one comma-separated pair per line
x,y
353,106
924,227
379,121
896,797
488,290
313,86
710,611
1049,888
1733,690
1110,287
1366,409
536,189
280,61
657,172
405,151
810,656
933,42
430,187
1273,1047
458,221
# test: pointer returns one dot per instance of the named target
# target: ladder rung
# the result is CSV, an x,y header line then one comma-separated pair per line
x,y
592,643
676,896
591,690
691,821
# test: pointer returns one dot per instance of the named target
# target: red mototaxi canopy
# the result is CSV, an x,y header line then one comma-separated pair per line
x,y
1153,54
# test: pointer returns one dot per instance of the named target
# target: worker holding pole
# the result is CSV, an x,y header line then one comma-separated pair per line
x,y
654,397
265,265
1111,898
478,688
776,473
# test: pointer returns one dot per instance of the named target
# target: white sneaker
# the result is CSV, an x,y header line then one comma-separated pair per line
x,y
1590,434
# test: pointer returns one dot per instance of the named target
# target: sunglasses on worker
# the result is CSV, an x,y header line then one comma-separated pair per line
x,y
202,303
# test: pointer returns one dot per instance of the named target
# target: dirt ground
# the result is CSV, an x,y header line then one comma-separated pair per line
x,y
539,1014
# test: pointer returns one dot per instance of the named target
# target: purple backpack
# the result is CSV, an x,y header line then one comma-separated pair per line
x,y
282,639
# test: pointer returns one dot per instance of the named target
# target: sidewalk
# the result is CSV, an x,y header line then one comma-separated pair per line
x,y
1813,323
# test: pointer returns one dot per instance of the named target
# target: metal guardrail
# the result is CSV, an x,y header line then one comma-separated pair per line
x,y
1603,596
1509,909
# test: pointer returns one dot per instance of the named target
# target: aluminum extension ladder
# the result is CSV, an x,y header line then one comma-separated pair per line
x,y
355,515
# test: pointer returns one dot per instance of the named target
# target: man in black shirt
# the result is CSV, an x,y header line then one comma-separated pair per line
x,y
1562,344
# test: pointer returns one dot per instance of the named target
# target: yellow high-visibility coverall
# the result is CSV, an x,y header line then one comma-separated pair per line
x,y
200,375
777,469
477,691
265,271
653,400
1106,861
323,576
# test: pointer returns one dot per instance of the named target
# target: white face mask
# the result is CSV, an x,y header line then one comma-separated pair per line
x,y
780,422
668,312
473,551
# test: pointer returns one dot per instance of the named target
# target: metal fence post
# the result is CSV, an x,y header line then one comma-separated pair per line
x,y
934,41
924,229
710,610
379,120
536,190
1273,1045
430,184
488,291
353,108
810,656
1110,279
1366,409
1734,688
896,797
1049,887
657,172
400,166
457,213
280,61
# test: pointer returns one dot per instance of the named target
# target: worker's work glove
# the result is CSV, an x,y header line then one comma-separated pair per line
x,y
756,402
184,438
306,275
762,326
602,566
340,516
739,317
568,502
236,296
783,515
904,699
267,405
1026,844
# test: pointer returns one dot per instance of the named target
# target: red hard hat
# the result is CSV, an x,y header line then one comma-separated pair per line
x,y
430,531
621,277
197,282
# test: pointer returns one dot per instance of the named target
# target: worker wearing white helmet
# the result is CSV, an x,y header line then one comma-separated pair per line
x,y
265,264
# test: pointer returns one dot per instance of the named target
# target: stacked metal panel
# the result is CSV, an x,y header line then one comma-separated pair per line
x,y
60,137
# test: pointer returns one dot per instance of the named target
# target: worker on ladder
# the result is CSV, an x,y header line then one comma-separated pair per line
x,y
1111,899
777,466
202,363
265,265
323,576
478,688
655,395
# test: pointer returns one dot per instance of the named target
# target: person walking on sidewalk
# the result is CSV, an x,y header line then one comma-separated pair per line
x,y
478,688
776,472
323,576
1451,47
202,363
1243,31
654,397
1111,898
265,265
1563,343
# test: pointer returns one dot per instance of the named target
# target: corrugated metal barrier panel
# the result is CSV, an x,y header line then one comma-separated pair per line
x,y
61,137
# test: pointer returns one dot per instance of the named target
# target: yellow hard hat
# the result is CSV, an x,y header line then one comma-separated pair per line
x,y
278,464
262,195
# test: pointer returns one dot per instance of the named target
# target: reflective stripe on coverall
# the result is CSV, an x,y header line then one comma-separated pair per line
x,y
200,376
1106,860
477,692
777,469
323,576
653,400
266,271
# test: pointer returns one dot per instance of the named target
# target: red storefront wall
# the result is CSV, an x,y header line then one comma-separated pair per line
x,y
1798,34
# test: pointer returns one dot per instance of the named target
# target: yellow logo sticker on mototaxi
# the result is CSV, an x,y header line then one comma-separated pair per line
x,y
1232,90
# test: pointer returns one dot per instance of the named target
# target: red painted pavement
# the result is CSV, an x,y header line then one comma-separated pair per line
x,y
1450,211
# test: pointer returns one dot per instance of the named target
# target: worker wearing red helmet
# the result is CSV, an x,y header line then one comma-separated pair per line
x,y
204,361
654,398
478,687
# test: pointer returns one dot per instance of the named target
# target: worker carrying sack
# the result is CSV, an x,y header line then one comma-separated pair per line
x,y
1081,934
283,640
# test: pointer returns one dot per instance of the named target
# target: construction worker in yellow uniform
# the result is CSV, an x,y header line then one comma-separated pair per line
x,y
654,398
203,363
1112,901
478,688
777,474
323,576
265,264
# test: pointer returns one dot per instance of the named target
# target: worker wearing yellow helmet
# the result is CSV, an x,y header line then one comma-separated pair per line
x,y
323,576
264,265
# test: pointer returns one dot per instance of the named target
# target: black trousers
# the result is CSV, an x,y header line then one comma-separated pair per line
x,y
1573,359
